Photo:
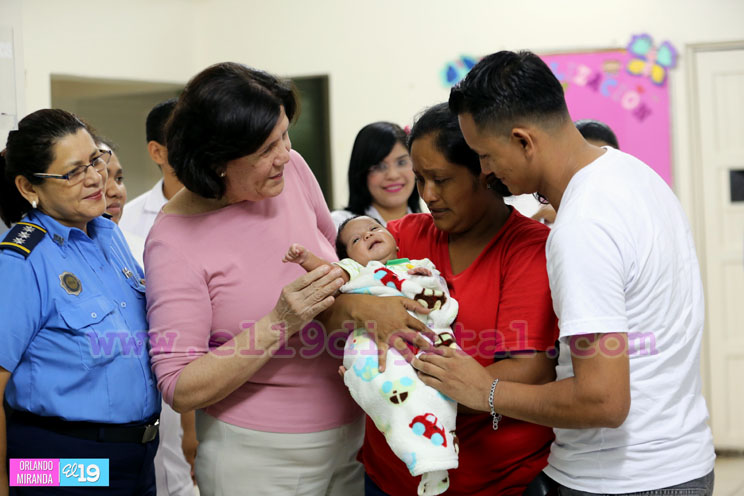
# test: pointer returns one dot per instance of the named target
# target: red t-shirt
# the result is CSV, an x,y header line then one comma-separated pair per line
x,y
505,305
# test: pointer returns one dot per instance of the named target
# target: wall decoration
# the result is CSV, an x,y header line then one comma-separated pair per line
x,y
626,89
648,61
454,71
602,86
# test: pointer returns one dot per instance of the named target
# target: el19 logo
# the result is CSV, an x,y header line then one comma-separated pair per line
x,y
83,472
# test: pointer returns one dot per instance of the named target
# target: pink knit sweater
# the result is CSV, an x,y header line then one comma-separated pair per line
x,y
209,276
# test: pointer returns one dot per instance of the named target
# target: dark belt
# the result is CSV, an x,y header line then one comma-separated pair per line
x,y
141,432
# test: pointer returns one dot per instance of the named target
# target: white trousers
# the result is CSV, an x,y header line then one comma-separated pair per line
x,y
233,460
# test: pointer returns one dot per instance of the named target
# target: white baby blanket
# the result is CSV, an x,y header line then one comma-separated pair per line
x,y
418,421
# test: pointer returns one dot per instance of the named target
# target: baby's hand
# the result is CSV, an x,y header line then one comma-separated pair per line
x,y
296,254
419,271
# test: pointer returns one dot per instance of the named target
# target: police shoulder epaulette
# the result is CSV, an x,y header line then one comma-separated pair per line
x,y
23,238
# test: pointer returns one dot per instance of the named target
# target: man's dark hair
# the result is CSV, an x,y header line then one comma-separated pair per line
x,y
597,131
157,119
507,88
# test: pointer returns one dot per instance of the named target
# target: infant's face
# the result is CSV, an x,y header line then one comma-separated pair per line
x,y
366,240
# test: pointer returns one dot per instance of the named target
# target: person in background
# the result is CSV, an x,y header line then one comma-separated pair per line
x,y
226,313
627,407
141,211
70,286
597,133
381,182
177,448
116,191
594,132
174,461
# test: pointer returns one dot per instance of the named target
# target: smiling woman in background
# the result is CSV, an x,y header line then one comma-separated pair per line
x,y
381,182
70,285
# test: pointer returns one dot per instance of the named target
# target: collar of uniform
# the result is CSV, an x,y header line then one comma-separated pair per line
x,y
60,234
101,229
155,198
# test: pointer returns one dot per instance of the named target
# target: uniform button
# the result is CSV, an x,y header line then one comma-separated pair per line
x,y
123,304
94,315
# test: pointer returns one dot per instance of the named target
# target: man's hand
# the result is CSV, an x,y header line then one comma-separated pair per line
x,y
455,374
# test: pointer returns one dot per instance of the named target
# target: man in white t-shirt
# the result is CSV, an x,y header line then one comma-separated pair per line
x,y
627,407
177,432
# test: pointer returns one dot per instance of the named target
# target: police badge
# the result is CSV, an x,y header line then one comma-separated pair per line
x,y
70,283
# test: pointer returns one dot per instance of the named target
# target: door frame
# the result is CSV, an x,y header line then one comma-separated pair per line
x,y
696,174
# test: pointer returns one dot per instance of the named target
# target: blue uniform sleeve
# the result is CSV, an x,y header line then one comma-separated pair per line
x,y
20,307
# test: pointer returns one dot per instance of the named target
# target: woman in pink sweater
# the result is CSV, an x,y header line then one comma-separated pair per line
x,y
227,318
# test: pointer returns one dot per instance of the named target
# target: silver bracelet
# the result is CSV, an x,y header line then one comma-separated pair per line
x,y
496,416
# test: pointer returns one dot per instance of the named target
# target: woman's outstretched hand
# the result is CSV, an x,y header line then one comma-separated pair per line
x,y
304,298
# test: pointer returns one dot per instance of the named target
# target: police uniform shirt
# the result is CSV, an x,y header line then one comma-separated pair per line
x,y
74,330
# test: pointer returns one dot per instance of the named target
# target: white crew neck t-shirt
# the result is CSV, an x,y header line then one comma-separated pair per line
x,y
621,259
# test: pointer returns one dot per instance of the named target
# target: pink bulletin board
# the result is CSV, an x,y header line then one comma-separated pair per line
x,y
624,91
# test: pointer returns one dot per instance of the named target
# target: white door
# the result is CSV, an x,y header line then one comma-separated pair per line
x,y
719,84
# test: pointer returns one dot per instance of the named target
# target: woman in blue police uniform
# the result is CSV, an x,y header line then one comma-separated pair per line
x,y
74,364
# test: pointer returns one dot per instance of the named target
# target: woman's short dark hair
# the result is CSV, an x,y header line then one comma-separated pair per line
x,y
30,150
227,111
373,143
439,121
597,131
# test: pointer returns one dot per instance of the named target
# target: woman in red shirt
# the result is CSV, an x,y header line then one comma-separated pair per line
x,y
493,260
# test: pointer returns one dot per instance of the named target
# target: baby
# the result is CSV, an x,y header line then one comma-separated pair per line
x,y
418,422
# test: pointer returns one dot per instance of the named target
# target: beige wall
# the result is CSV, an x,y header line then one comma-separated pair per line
x,y
383,57
12,97
150,40
120,117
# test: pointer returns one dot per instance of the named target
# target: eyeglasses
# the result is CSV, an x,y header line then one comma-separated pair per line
x,y
402,163
77,174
